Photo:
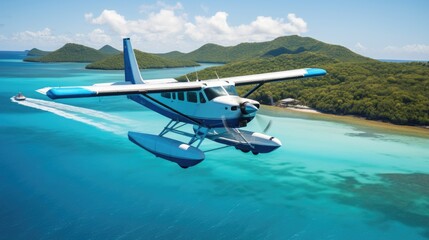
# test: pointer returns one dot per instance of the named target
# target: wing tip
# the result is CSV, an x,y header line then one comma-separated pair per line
x,y
67,92
314,72
43,90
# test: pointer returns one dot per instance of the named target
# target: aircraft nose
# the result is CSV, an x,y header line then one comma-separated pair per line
x,y
248,108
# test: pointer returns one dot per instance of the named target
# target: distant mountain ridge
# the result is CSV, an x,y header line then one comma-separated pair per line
x,y
282,45
144,60
289,45
71,52
37,53
106,58
109,50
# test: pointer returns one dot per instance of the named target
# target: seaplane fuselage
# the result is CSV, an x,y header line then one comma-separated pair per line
x,y
215,105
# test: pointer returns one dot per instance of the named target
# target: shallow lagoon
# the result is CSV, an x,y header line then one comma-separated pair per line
x,y
67,170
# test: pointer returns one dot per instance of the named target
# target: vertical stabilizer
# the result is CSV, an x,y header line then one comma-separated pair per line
x,y
132,72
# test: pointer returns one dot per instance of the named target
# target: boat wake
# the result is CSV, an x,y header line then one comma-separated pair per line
x,y
98,119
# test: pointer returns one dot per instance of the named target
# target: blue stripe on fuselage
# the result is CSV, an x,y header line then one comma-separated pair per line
x,y
209,123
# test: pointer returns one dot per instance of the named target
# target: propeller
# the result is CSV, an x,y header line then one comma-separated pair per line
x,y
247,108
236,134
262,122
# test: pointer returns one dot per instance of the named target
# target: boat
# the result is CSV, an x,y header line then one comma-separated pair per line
x,y
19,97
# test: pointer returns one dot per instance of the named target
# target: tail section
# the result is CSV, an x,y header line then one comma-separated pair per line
x,y
132,72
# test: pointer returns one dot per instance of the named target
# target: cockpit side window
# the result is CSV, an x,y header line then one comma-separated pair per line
x,y
213,92
202,98
231,90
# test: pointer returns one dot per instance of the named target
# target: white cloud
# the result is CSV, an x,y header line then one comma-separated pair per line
x,y
88,16
163,27
115,21
217,29
147,8
43,37
408,52
412,48
360,47
47,39
170,28
99,36
30,35
296,25
160,24
212,28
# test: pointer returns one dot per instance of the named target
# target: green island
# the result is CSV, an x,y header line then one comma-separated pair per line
x,y
70,52
35,52
355,85
145,60
105,58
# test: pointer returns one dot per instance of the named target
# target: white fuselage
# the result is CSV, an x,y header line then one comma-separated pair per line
x,y
215,105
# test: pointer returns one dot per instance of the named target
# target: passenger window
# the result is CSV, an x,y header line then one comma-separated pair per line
x,y
166,95
173,95
202,98
192,97
181,96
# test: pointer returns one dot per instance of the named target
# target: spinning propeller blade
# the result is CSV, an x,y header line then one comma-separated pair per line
x,y
261,122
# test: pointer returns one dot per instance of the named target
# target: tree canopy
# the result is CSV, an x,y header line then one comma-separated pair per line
x,y
391,92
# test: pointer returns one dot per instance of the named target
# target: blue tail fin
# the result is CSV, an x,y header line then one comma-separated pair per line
x,y
132,72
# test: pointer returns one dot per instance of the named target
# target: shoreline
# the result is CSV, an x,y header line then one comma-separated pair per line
x,y
304,110
360,122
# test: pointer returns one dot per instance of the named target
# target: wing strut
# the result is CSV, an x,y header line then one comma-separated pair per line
x,y
253,89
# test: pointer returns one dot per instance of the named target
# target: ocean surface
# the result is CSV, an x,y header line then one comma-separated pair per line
x,y
68,171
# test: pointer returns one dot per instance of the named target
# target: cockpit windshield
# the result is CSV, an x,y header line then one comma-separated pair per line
x,y
213,92
231,90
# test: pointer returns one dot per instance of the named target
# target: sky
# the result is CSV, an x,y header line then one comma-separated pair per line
x,y
380,29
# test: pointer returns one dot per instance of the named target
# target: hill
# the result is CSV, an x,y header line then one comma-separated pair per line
x,y
276,47
145,60
37,53
109,50
391,92
172,55
71,53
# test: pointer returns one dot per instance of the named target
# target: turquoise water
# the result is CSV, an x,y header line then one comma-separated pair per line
x,y
67,170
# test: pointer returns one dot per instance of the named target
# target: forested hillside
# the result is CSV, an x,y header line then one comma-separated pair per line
x,y
71,52
37,53
106,58
392,92
276,47
145,60
109,50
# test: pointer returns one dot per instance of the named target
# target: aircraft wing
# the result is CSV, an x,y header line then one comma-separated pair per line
x,y
171,86
111,90
276,76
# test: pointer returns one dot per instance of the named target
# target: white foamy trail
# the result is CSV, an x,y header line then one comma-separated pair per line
x,y
77,114
79,110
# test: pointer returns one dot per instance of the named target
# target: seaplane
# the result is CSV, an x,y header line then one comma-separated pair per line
x,y
213,108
